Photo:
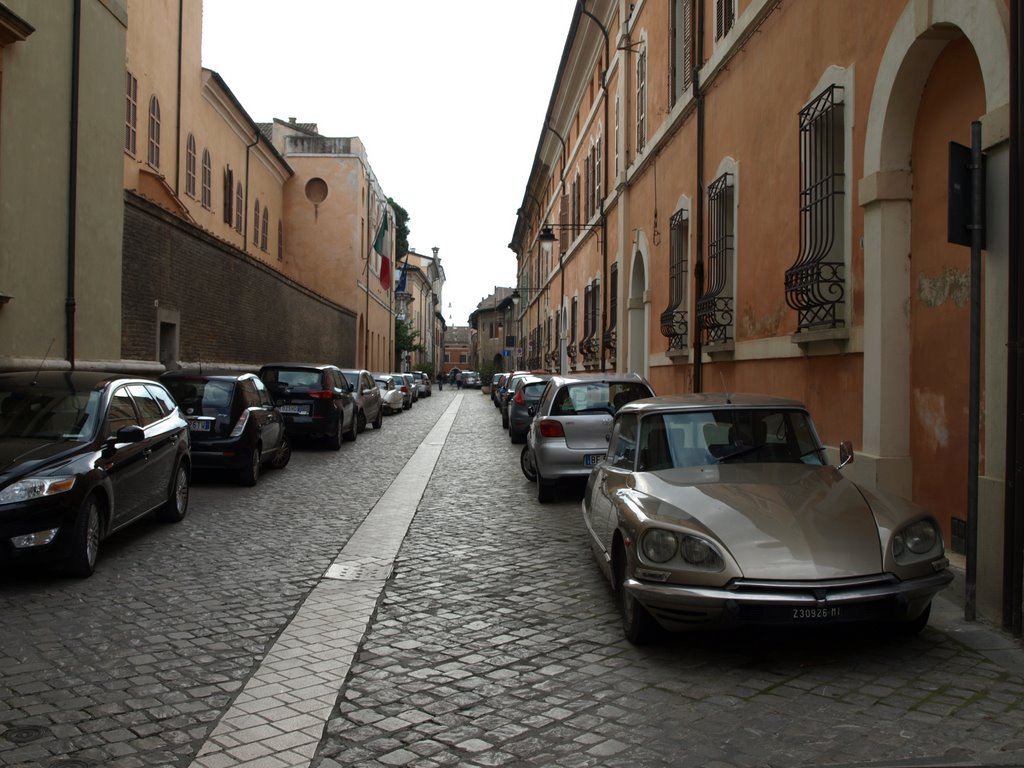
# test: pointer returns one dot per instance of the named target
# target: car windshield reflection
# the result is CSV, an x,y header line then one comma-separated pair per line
x,y
49,414
698,438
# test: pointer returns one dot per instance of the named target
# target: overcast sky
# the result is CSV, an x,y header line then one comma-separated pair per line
x,y
448,97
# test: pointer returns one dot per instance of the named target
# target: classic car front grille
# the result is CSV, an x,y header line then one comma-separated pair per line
x,y
817,589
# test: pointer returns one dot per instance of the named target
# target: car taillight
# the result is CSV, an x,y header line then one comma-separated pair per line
x,y
404,389
240,424
550,428
323,394
519,399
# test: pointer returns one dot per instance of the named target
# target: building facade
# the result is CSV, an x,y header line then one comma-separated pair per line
x,y
750,195
492,321
421,282
457,350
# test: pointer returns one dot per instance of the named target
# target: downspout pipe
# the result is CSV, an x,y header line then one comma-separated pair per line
x,y
698,270
1013,521
69,301
245,217
177,116
604,184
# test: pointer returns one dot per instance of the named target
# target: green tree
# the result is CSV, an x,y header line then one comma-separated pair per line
x,y
406,340
401,229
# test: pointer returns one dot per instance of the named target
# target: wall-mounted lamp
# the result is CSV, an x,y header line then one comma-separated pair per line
x,y
547,237
516,296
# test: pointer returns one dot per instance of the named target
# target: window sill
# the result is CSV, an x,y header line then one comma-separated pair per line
x,y
824,342
678,354
721,351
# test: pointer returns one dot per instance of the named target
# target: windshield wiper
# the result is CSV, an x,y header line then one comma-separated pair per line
x,y
740,452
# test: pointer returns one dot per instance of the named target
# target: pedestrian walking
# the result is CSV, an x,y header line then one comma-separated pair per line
x,y
440,382
458,379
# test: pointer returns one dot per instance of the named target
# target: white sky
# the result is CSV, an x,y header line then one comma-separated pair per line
x,y
447,96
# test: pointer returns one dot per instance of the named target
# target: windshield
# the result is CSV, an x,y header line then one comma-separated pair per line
x,y
49,414
696,438
597,397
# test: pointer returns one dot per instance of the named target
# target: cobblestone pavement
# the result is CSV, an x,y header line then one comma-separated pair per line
x,y
495,641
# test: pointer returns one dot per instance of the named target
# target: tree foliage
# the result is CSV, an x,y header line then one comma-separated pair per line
x,y
406,339
401,228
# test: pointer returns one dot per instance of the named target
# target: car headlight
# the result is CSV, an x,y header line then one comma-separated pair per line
x,y
917,539
700,554
659,546
35,488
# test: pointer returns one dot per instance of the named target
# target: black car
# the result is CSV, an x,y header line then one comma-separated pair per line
x,y
523,404
234,423
315,400
83,454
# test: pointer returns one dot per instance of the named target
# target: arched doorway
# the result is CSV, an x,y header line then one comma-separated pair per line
x,y
943,67
636,310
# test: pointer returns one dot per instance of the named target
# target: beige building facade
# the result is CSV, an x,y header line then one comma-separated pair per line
x,y
60,184
751,195
420,302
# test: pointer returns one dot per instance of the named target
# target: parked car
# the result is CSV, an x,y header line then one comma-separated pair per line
x,y
718,510
413,389
82,455
496,384
471,380
315,401
405,388
523,405
369,409
569,432
423,385
233,422
392,399
509,389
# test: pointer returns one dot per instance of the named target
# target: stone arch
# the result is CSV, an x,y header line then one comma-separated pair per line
x,y
886,192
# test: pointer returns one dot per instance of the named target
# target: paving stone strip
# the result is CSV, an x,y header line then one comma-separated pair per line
x,y
278,718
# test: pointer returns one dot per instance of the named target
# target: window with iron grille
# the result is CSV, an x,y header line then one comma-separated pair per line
x,y
715,306
153,153
589,186
815,285
597,175
239,202
131,111
587,298
207,180
683,54
575,213
675,322
725,16
570,349
610,336
190,166
641,99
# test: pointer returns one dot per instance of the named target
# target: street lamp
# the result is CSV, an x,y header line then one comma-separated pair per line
x,y
547,237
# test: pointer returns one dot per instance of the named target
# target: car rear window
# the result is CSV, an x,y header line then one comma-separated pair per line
x,y
202,397
597,397
292,378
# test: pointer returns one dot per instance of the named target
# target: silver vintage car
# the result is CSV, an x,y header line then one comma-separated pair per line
x,y
718,510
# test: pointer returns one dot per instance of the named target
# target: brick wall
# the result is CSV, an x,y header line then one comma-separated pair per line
x,y
233,309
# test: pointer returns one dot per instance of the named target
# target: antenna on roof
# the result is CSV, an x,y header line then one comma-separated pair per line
x,y
725,389
42,362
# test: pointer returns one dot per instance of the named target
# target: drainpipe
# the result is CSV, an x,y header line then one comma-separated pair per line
x,y
1013,531
245,217
604,185
698,267
69,301
177,115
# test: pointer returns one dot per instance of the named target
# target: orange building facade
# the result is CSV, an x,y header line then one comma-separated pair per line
x,y
750,195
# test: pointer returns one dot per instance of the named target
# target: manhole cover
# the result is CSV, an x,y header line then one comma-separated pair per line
x,y
24,734
359,569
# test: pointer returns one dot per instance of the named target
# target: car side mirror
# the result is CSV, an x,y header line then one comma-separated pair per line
x,y
132,433
532,410
845,453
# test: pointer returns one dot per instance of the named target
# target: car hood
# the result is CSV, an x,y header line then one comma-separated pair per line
x,y
20,457
778,521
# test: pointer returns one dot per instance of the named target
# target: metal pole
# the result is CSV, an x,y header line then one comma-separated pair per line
x,y
977,227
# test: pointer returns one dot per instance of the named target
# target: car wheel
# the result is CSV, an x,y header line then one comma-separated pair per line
x,y
284,454
379,421
545,490
335,440
250,474
354,431
85,538
176,506
914,626
516,437
637,624
526,464
504,420
360,421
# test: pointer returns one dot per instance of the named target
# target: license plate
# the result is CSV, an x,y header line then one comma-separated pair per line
x,y
592,459
301,410
823,613
195,425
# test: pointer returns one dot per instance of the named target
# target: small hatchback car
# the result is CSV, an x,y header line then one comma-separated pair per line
x,y
569,433
83,455
232,420
367,396
315,401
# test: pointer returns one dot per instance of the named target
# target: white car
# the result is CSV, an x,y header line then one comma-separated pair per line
x,y
390,395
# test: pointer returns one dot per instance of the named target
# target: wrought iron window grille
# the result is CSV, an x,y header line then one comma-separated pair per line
x,y
815,283
715,307
675,323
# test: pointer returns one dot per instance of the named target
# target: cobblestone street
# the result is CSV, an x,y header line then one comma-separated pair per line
x,y
491,638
